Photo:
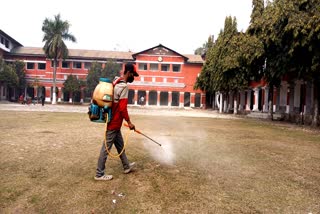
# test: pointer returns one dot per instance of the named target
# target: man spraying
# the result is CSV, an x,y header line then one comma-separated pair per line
x,y
113,133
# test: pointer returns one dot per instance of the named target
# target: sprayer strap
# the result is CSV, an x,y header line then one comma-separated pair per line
x,y
119,95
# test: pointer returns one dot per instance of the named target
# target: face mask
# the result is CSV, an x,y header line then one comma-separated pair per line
x,y
130,79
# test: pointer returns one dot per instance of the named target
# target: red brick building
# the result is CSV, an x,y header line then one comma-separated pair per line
x,y
166,76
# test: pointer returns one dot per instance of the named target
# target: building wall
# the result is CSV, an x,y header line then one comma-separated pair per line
x,y
45,76
182,81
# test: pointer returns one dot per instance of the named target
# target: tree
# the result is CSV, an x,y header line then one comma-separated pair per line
x,y
220,75
93,77
301,37
8,76
291,35
232,61
241,64
72,86
19,68
55,32
255,22
203,80
205,47
263,22
111,69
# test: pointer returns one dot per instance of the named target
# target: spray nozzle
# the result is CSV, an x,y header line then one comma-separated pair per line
x,y
139,132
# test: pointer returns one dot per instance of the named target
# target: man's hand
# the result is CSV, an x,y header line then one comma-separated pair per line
x,y
131,126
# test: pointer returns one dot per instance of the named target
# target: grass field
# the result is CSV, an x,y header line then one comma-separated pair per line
x,y
206,165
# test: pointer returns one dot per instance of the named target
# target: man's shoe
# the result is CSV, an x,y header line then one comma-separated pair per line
x,y
131,166
103,178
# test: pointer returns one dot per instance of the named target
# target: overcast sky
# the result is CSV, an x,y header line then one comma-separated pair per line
x,y
123,25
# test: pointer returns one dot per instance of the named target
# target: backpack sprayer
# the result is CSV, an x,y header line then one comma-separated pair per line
x,y
100,110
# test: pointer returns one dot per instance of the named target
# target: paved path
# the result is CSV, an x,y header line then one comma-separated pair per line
x,y
138,110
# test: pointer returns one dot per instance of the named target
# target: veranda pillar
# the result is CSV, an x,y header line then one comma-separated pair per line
x,y
203,100
266,99
256,99
248,100
192,98
181,100
136,97
158,98
169,98
147,98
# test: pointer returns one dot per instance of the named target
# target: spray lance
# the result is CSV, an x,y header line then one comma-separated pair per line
x,y
139,132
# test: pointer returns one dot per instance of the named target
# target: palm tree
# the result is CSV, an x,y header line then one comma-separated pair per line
x,y
55,32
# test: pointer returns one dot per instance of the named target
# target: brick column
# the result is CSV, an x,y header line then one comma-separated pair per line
x,y
181,100
242,100
47,94
136,97
266,99
147,98
225,104
248,100
203,100
256,99
192,98
70,97
220,102
158,98
235,103
59,94
35,90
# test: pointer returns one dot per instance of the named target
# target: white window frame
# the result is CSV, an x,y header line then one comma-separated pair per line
x,y
30,63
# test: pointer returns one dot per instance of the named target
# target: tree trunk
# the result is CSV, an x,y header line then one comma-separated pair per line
x,y
315,119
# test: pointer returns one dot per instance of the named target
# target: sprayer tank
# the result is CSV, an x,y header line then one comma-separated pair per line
x,y
103,93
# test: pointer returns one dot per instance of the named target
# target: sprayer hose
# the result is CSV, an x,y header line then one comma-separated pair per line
x,y
105,140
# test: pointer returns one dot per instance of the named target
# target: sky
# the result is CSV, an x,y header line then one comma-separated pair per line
x,y
125,25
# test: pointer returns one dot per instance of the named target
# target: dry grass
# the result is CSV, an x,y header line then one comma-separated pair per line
x,y
48,160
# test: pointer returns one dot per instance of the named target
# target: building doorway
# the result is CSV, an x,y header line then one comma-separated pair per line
x,y
153,98
175,98
197,102
142,97
131,97
186,99
164,98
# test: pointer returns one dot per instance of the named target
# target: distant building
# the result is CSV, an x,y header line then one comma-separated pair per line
x,y
166,76
7,43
